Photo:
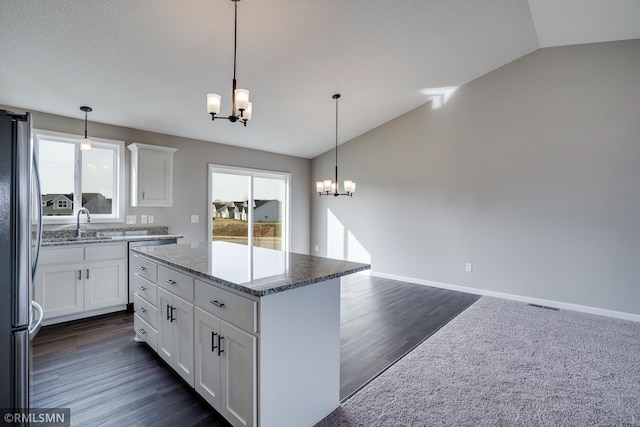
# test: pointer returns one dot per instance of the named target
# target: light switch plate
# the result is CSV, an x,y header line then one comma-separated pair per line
x,y
143,219
195,219
150,219
131,219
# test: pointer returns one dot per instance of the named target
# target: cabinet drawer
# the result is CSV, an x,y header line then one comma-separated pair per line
x,y
145,332
235,309
177,283
104,252
61,255
145,310
144,288
144,267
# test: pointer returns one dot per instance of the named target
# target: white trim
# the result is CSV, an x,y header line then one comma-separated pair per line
x,y
514,297
83,314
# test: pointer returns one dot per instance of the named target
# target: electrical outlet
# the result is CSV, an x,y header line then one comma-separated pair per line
x,y
468,267
143,219
317,248
131,219
150,219
195,219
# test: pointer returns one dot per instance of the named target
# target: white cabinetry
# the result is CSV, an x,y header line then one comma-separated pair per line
x,y
226,361
80,281
217,356
175,333
142,275
151,175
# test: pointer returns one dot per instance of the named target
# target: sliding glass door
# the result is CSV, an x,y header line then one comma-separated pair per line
x,y
249,207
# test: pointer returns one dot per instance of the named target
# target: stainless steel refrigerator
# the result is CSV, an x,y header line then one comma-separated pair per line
x,y
20,231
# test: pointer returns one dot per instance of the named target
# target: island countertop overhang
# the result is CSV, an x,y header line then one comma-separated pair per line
x,y
258,272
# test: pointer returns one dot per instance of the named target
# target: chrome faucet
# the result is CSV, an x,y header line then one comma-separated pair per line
x,y
86,211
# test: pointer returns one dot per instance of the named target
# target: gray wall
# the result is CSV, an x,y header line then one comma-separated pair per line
x,y
531,173
190,175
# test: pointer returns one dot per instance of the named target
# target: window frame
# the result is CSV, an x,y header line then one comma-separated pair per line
x,y
253,173
118,199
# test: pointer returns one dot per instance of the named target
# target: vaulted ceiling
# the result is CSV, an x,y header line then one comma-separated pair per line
x,y
148,64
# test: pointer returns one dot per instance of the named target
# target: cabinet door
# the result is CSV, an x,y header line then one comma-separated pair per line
x,y
175,333
183,338
59,289
239,381
154,177
165,326
207,367
104,284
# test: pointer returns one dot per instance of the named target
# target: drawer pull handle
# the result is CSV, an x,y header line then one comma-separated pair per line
x,y
173,319
87,273
142,331
142,288
213,341
142,309
217,303
171,282
143,268
79,274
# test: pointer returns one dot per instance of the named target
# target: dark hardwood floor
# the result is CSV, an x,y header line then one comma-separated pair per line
x,y
382,320
94,367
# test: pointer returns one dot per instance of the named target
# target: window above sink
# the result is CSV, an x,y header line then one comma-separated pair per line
x,y
72,179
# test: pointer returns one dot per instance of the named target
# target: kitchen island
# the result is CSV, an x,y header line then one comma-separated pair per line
x,y
255,331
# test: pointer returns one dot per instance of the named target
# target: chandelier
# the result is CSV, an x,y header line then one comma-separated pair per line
x,y
332,188
240,105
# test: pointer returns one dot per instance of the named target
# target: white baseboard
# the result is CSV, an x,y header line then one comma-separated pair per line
x,y
530,300
83,314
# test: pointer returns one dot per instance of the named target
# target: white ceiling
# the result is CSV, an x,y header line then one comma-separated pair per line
x,y
148,64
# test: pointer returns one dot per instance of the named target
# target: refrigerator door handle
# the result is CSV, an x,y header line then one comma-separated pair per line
x,y
36,173
34,327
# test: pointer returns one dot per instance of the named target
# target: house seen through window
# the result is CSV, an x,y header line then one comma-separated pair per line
x,y
71,179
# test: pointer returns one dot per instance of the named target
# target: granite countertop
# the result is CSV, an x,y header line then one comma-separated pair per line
x,y
259,272
108,235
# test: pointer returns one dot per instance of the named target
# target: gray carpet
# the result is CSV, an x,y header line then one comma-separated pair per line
x,y
504,363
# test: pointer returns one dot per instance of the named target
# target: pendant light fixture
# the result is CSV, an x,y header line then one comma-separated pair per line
x,y
85,143
332,188
240,105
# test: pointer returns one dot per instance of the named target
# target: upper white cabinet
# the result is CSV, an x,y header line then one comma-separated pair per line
x,y
151,175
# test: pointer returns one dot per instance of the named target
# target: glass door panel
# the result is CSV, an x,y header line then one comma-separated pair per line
x,y
230,207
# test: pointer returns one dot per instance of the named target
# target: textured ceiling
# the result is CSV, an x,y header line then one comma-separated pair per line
x,y
148,64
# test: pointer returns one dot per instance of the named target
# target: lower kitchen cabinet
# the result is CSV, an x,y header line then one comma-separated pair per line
x,y
59,289
79,281
175,333
105,284
225,368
